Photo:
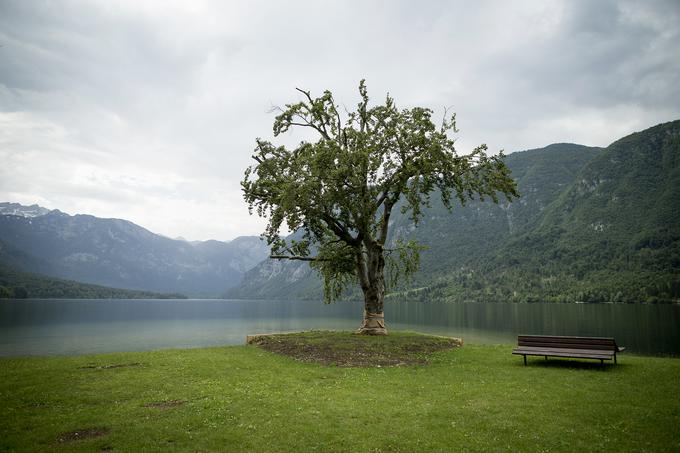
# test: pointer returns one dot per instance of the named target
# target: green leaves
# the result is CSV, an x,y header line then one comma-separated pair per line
x,y
336,263
402,261
340,190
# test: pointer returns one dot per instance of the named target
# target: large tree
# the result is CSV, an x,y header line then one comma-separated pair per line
x,y
339,191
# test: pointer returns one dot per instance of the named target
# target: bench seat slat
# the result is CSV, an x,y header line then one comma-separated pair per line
x,y
571,338
566,346
566,342
585,354
570,350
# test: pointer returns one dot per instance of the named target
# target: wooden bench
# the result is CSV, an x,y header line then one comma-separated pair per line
x,y
577,347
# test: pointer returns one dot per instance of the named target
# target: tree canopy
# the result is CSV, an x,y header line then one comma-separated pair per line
x,y
340,190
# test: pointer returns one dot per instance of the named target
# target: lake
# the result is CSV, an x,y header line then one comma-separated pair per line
x,y
71,327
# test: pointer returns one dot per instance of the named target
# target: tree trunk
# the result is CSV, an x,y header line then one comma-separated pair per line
x,y
372,279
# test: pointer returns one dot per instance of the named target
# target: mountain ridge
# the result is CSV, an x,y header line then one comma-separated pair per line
x,y
528,250
120,254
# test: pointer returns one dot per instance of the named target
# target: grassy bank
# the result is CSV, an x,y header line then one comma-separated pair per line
x,y
477,398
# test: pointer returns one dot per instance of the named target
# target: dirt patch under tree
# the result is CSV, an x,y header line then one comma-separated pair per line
x,y
351,350
81,434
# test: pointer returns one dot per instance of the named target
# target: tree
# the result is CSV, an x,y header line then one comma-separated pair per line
x,y
339,191
5,292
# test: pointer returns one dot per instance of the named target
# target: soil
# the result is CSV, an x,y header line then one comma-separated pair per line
x,y
80,434
351,350
108,367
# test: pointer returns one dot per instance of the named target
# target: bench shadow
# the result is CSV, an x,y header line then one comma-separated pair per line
x,y
573,364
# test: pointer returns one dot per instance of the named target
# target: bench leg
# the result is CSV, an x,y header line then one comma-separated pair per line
x,y
525,360
546,358
614,357
602,362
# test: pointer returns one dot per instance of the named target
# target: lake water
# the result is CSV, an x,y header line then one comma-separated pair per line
x,y
68,327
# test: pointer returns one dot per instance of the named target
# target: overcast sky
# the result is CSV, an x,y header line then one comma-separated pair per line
x,y
149,111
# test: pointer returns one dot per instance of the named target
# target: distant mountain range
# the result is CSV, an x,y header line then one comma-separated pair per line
x,y
21,210
592,225
119,254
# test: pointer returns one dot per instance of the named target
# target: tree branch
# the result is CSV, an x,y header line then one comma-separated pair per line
x,y
306,93
381,198
316,128
339,229
322,130
385,223
296,258
362,270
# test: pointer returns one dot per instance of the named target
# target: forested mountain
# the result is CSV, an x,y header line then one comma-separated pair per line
x,y
613,235
15,284
120,254
591,225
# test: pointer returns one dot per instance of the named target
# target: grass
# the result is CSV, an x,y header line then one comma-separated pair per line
x,y
243,398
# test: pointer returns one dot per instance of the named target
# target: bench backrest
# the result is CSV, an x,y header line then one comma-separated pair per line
x,y
539,341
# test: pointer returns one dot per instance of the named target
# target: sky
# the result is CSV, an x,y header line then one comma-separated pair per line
x,y
149,110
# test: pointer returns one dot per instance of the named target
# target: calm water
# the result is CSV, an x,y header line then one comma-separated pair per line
x,y
58,327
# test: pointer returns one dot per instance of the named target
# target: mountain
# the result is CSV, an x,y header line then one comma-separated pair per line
x,y
592,225
21,285
120,254
22,211
612,235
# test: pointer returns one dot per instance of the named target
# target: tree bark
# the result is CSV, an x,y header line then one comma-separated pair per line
x,y
371,267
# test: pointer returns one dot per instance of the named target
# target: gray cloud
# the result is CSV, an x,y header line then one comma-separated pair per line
x,y
149,111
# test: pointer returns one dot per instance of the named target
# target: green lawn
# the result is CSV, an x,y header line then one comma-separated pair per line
x,y
242,398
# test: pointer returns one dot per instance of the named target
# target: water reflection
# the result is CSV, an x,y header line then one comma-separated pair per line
x,y
649,329
46,327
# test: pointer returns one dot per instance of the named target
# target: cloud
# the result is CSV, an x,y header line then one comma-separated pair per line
x,y
149,110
